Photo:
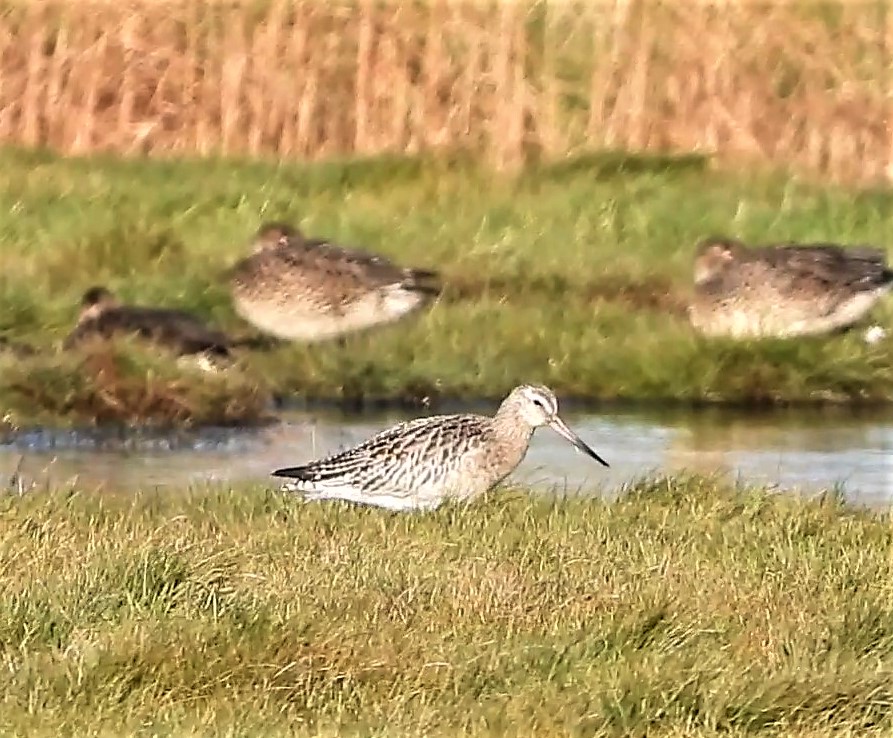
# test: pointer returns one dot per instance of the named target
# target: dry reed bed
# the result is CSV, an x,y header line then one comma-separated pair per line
x,y
803,83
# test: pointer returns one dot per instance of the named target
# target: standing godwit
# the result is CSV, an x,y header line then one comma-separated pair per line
x,y
785,290
310,289
420,463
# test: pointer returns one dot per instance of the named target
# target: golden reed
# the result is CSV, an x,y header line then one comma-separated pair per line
x,y
803,83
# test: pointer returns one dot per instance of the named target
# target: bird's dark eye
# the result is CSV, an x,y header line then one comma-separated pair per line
x,y
539,403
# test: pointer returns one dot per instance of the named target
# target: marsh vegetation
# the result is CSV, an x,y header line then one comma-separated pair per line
x,y
576,276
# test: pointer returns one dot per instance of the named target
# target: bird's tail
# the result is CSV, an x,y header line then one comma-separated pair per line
x,y
299,480
257,342
422,280
291,472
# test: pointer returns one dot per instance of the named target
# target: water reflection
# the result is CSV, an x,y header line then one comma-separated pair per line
x,y
804,449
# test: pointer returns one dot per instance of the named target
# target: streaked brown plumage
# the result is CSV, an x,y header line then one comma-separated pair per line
x,y
311,289
784,290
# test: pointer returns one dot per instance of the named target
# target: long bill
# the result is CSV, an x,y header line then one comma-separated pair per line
x,y
560,427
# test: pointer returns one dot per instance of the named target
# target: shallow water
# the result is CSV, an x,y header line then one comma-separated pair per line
x,y
799,449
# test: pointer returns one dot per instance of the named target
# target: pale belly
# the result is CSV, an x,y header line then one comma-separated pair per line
x,y
781,322
298,321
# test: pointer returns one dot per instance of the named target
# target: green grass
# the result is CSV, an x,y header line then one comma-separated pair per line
x,y
684,607
574,275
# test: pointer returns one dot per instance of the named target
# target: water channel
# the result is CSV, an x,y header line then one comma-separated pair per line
x,y
801,449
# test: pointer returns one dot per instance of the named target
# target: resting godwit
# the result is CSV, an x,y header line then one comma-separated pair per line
x,y
785,290
310,289
420,463
103,316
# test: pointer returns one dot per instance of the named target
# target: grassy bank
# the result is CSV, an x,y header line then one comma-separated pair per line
x,y
684,607
576,276
127,383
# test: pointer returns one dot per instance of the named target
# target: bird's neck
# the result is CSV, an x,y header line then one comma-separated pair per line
x,y
510,424
511,436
